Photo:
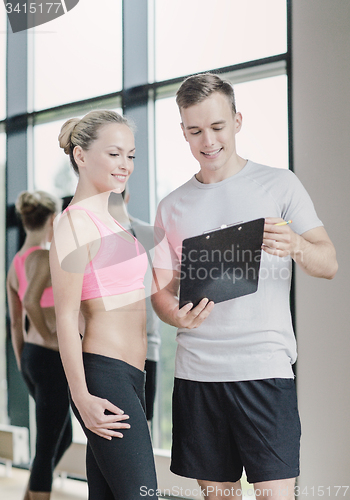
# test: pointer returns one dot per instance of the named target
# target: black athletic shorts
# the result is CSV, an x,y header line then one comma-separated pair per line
x,y
219,428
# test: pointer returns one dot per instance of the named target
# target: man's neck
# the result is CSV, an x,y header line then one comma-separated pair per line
x,y
206,176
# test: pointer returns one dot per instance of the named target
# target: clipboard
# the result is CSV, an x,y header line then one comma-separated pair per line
x,y
221,264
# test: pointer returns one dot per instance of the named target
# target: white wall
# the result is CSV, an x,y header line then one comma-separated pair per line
x,y
321,107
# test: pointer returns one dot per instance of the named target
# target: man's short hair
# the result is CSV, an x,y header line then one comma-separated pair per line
x,y
197,88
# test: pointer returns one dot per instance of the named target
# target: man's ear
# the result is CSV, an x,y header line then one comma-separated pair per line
x,y
184,131
238,120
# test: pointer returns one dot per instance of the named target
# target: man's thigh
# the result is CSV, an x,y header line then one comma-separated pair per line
x,y
216,491
203,445
282,489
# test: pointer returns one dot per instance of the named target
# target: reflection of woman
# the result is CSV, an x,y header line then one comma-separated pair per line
x,y
98,267
36,350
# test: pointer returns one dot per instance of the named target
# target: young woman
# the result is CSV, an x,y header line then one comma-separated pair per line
x,y
98,268
30,294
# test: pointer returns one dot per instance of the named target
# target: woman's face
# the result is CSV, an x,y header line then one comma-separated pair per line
x,y
109,161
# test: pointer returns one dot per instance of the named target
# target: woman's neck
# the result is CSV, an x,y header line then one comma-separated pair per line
x,y
97,203
35,239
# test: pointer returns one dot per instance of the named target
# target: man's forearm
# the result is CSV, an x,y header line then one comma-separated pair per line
x,y
316,259
165,303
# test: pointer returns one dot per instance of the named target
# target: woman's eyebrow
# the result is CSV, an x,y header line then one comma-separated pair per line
x,y
120,148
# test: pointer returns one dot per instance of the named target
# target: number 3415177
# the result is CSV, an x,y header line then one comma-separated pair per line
x,y
320,491
33,8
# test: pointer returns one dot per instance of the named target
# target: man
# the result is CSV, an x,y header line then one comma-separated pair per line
x,y
234,401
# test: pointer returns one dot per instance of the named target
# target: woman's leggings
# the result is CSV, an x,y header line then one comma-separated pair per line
x,y
120,468
43,373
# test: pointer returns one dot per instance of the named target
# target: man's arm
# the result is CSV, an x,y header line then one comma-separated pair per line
x,y
313,251
165,302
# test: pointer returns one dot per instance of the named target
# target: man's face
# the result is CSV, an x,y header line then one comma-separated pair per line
x,y
210,128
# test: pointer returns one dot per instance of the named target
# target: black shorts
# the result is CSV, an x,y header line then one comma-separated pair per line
x,y
219,428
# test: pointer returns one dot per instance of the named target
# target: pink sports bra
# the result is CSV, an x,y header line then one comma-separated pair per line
x,y
19,264
119,265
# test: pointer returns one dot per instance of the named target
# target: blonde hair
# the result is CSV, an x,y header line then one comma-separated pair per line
x,y
84,132
35,208
196,88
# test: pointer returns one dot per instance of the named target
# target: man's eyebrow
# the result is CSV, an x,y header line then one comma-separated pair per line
x,y
219,122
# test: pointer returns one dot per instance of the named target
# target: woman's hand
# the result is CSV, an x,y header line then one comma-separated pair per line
x,y
102,417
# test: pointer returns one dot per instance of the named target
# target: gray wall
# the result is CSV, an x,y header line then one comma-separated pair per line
x,y
321,106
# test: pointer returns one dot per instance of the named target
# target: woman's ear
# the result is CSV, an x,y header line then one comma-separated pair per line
x,y
79,156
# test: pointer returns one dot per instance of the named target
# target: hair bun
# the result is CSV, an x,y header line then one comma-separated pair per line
x,y
64,138
27,202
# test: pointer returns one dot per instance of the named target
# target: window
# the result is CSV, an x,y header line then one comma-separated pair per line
x,y
175,164
52,172
200,35
264,134
78,55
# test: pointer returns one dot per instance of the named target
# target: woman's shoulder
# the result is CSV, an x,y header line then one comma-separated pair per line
x,y
74,233
12,279
75,226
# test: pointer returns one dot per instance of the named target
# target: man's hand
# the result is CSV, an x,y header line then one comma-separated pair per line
x,y
313,251
166,302
186,317
279,240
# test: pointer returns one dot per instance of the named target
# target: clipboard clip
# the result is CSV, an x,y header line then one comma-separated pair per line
x,y
223,226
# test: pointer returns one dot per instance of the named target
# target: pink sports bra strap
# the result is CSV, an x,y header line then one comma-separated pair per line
x,y
98,223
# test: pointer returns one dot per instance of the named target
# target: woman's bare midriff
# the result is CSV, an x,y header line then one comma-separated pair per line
x,y
116,327
34,337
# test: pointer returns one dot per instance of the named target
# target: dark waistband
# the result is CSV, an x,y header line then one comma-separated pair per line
x,y
37,347
113,366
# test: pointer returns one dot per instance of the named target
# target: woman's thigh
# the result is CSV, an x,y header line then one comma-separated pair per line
x,y
127,463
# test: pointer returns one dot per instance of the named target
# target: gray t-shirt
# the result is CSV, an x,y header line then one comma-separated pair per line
x,y
250,337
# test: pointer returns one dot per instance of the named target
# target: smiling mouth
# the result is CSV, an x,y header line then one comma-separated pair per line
x,y
119,177
211,154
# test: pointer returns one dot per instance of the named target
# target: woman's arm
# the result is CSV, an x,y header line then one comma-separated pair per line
x,y
38,277
16,316
67,287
